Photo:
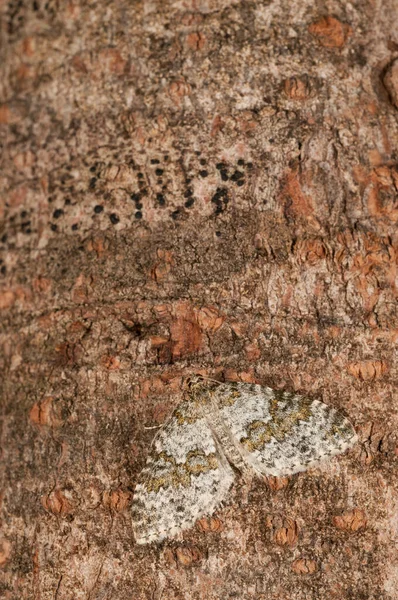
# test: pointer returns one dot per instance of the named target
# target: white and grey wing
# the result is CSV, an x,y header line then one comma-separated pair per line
x,y
186,477
280,433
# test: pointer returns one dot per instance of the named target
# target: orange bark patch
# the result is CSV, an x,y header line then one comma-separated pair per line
x,y
58,503
210,524
44,413
117,500
372,268
177,90
5,114
296,202
382,193
29,46
247,123
297,88
97,244
330,32
368,370
239,328
304,566
158,340
7,299
112,363
284,530
287,535
186,335
187,556
277,483
67,354
195,41
217,125
162,311
351,521
5,551
209,319
310,250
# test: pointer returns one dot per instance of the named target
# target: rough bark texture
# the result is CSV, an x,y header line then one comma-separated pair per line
x,y
196,185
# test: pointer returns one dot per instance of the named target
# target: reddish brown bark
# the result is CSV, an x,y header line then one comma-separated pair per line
x,y
196,186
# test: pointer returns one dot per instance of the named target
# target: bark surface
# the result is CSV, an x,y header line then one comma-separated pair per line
x,y
196,186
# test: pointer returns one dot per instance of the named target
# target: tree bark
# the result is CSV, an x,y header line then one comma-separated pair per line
x,y
196,186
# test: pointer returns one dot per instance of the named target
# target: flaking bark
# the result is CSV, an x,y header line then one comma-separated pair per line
x,y
195,186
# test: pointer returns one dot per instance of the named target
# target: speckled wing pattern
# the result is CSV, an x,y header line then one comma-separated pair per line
x,y
280,433
188,472
186,476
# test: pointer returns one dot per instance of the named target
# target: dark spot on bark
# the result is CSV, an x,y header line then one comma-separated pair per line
x,y
237,175
220,199
138,214
161,199
114,218
98,209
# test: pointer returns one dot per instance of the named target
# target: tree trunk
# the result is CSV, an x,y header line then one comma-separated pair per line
x,y
196,186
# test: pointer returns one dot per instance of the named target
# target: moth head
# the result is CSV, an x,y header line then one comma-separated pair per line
x,y
194,382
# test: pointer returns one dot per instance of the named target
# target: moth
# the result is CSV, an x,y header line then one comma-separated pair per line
x,y
253,428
